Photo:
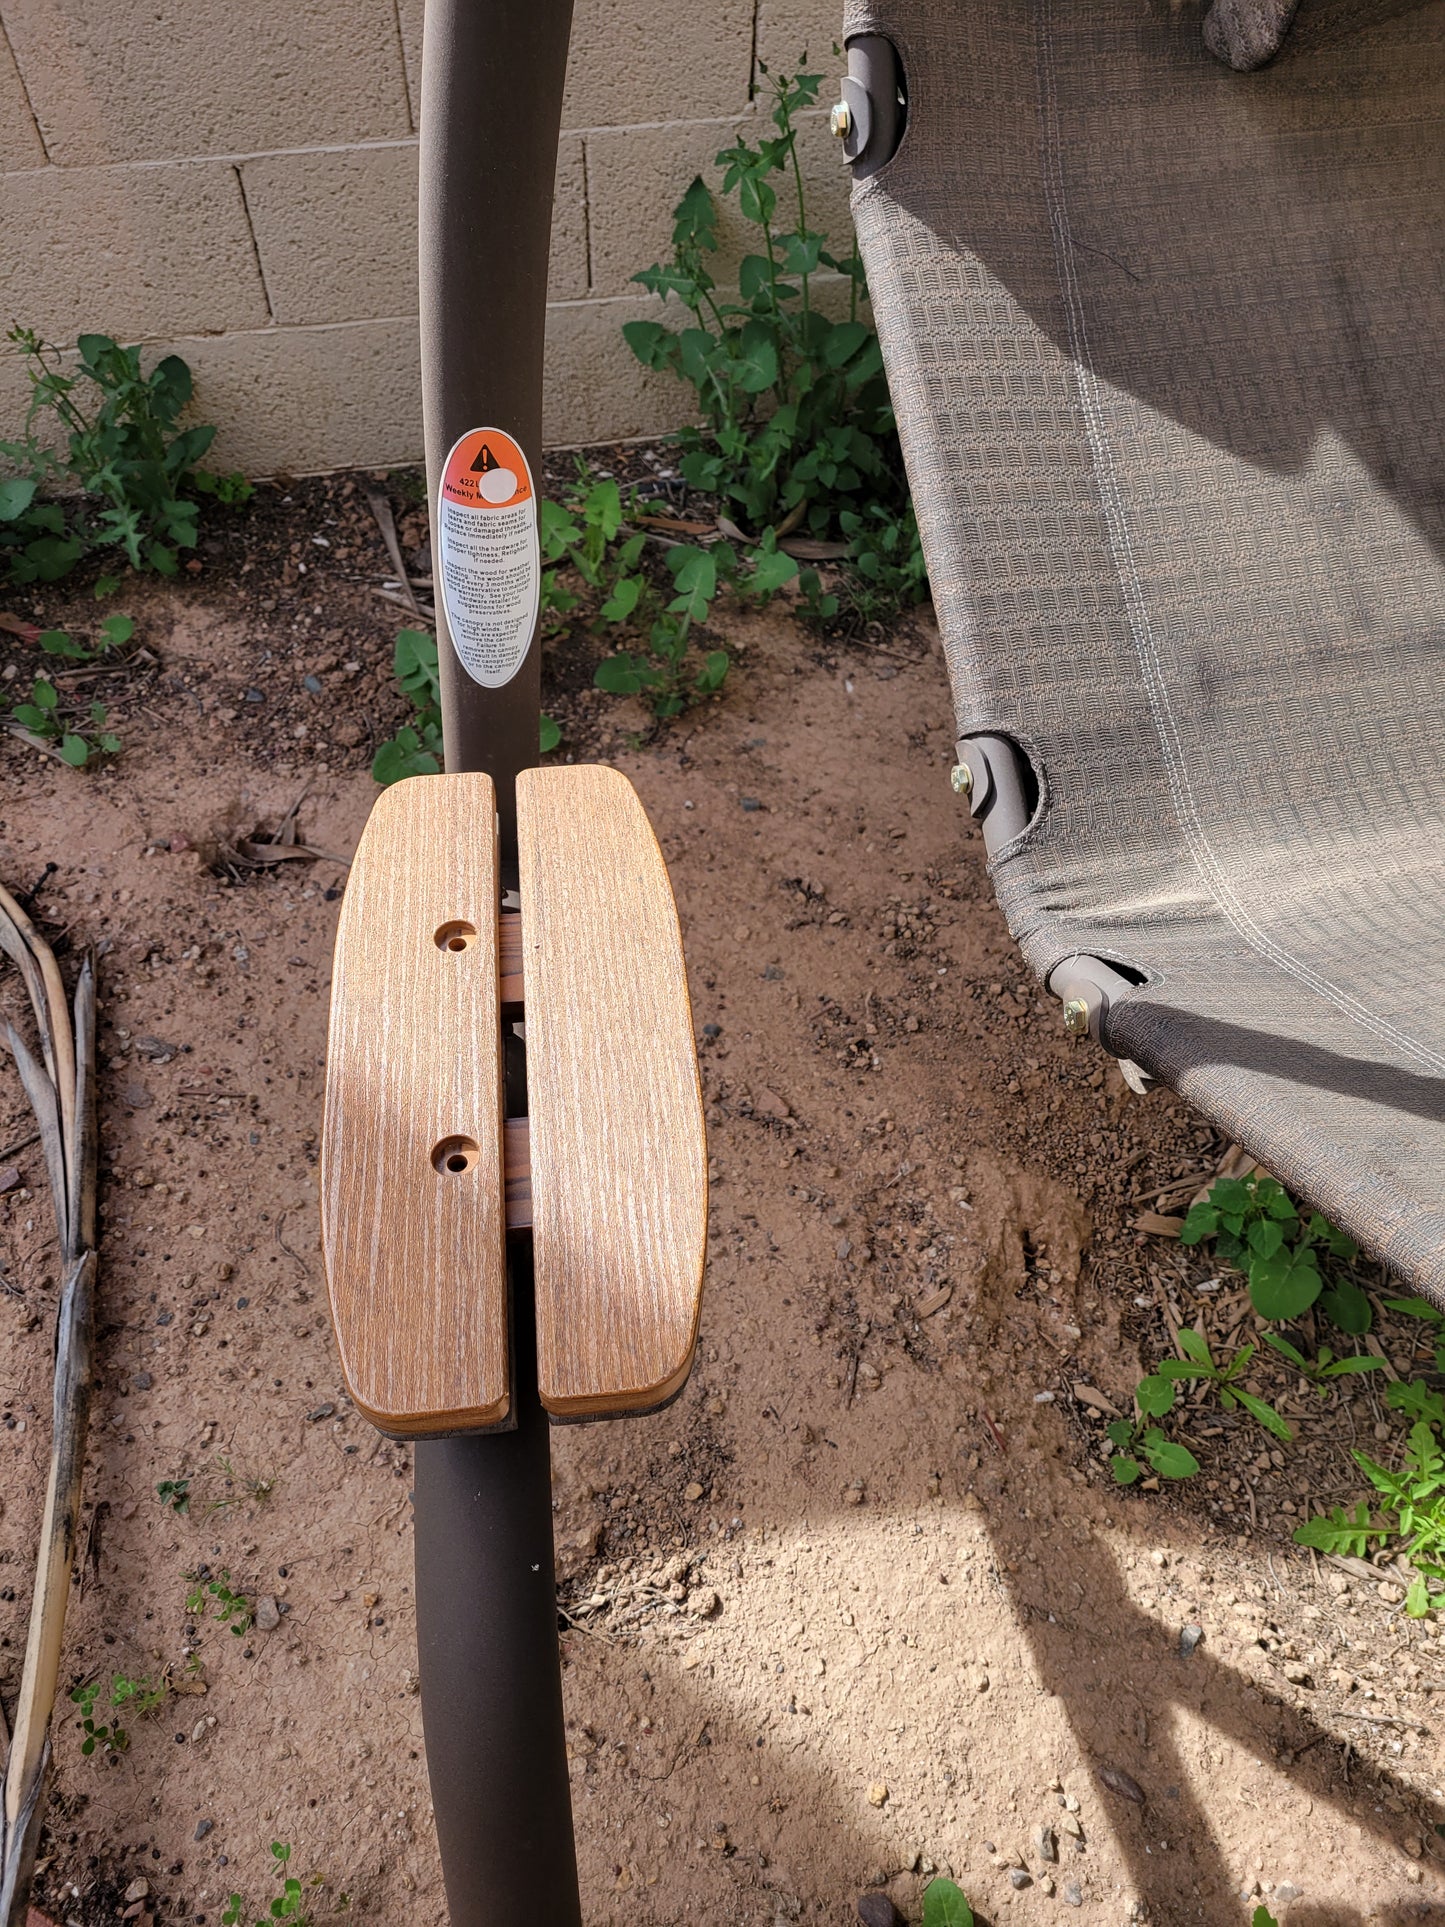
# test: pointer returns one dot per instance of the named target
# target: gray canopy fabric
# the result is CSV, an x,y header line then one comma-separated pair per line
x,y
1167,345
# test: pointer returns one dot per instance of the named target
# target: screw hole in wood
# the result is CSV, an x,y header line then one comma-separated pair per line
x,y
455,936
454,1155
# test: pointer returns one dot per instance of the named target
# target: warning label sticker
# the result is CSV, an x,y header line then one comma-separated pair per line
x,y
489,570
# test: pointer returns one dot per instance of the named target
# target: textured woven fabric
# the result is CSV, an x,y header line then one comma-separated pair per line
x,y
1167,345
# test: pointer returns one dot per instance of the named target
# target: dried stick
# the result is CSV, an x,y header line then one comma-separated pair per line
x,y
61,1087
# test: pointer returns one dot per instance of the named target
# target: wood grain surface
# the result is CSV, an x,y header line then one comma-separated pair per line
x,y
415,1251
618,1156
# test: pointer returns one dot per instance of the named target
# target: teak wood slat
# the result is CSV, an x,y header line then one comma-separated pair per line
x,y
618,1156
412,1184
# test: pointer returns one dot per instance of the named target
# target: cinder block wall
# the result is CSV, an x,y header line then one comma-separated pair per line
x,y
236,179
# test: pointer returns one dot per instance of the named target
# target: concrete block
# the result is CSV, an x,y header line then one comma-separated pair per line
x,y
409,19
637,175
337,231
802,33
20,143
632,62
128,251
197,77
568,271
309,399
596,388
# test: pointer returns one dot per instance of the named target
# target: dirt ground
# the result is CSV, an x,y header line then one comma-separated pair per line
x,y
864,1603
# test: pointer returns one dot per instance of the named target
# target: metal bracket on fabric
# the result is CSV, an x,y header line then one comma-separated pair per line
x,y
871,109
997,787
1086,986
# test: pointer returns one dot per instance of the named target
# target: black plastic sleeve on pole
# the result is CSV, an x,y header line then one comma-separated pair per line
x,y
491,1688
491,110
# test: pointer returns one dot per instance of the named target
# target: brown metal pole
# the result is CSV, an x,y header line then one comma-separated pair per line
x,y
492,77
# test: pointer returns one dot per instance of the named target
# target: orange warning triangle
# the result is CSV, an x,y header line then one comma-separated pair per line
x,y
486,469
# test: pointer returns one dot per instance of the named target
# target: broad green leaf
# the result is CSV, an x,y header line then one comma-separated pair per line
x,y
1264,1237
403,756
16,494
1169,1460
1119,1432
1194,1345
1282,1287
1263,1918
44,694
1347,1307
117,630
1416,1308
1356,1362
645,339
1417,1599
105,585
75,750
549,736
771,569
945,1906
618,675
1125,1470
625,596
1154,1395
1202,1222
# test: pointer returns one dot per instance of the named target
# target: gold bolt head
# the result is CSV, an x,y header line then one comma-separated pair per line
x,y
1076,1017
961,779
840,121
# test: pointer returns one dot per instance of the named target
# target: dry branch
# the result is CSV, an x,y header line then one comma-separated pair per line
x,y
60,1084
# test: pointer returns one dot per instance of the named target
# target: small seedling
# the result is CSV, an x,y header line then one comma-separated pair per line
x,y
232,1609
40,719
1413,1509
1159,1452
112,1739
240,1486
1258,1230
945,1906
1263,1918
175,1493
1319,1370
286,1905
142,1696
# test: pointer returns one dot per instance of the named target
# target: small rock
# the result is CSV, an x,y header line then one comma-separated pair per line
x,y
203,1827
1392,1595
1073,1894
692,1492
137,1890
268,1614
1072,1826
703,1603
1285,1892
1117,1781
751,803
9,1177
347,735
877,1910
878,1794
1046,1844
980,1682
1189,1638
156,1049
1046,1885
1297,1673
853,1494
320,1412
772,1105
142,1381
1020,1877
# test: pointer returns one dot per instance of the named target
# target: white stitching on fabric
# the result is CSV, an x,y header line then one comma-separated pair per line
x,y
1141,629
